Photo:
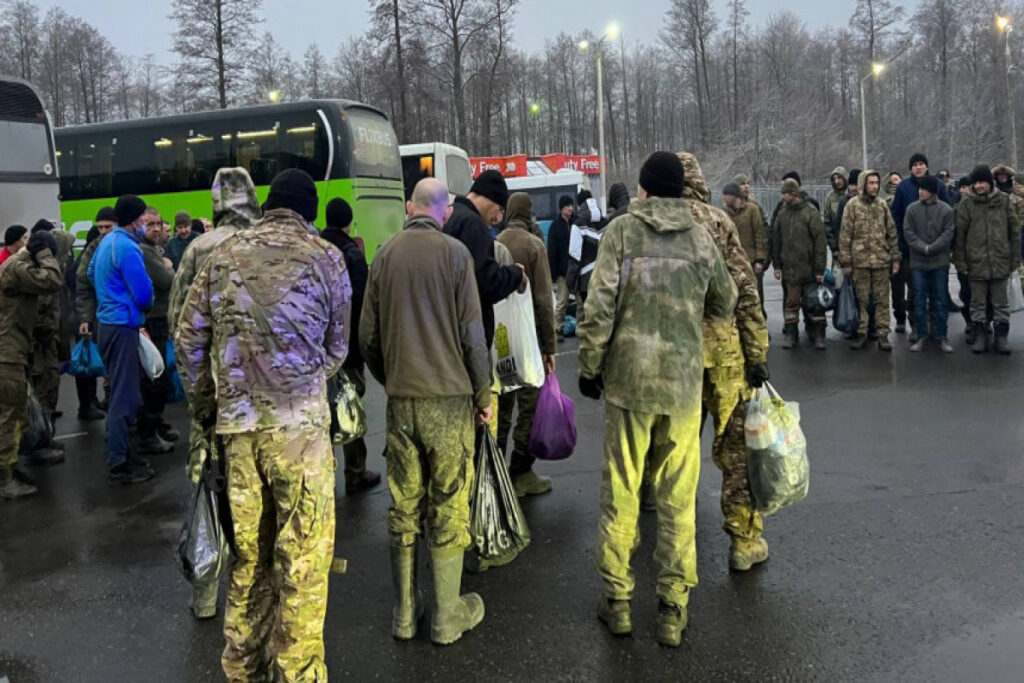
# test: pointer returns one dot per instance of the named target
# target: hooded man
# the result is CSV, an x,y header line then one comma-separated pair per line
x,y
1004,178
735,361
265,323
987,251
527,249
869,252
829,214
658,276
584,239
798,256
929,228
749,222
558,260
618,202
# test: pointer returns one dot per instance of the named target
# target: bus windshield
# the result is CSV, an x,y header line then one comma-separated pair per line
x,y
26,148
374,146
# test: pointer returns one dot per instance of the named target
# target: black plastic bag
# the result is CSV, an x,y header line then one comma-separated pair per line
x,y
38,429
846,317
496,521
204,544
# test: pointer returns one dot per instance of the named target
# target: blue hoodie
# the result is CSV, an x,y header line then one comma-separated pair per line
x,y
123,289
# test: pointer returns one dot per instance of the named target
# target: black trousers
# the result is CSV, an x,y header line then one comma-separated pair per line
x,y
154,391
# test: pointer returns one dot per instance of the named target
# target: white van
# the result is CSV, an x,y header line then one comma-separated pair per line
x,y
447,163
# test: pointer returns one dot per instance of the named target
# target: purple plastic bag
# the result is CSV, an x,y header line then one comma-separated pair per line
x,y
554,429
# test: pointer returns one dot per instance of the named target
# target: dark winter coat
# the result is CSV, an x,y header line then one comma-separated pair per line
x,y
798,242
929,229
558,248
906,194
987,237
358,273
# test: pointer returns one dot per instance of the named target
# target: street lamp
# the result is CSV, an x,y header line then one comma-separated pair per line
x,y
876,70
1006,26
611,32
273,96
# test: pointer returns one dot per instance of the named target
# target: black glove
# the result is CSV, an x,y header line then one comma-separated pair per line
x,y
41,239
591,387
757,375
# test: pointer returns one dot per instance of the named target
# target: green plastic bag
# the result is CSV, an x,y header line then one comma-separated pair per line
x,y
778,471
349,414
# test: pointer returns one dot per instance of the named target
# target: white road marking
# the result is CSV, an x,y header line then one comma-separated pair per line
x,y
67,436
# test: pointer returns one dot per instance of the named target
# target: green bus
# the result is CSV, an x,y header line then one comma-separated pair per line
x,y
349,149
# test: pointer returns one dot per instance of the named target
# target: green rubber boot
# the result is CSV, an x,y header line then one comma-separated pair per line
x,y
744,553
615,615
408,608
453,614
530,484
671,622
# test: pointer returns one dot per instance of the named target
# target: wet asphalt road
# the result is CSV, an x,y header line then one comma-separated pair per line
x,y
904,563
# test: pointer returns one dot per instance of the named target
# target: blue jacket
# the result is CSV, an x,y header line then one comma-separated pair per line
x,y
123,289
906,194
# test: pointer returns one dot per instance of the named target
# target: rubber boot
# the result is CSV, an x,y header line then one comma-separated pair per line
x,y
530,484
859,342
11,488
980,338
1002,343
453,614
790,336
671,622
615,615
408,608
745,553
204,600
361,481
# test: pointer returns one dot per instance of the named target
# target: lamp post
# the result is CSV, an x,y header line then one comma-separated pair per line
x,y
535,113
1004,25
876,70
611,32
273,96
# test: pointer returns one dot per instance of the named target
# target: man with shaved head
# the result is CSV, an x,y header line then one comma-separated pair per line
x,y
422,337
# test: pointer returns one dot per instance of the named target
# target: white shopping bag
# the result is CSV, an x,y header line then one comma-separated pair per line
x,y
516,353
149,356
1015,295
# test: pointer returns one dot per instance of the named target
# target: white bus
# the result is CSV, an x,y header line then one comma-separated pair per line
x,y
29,184
545,190
447,163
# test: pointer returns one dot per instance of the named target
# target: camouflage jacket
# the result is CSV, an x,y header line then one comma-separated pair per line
x,y
658,275
868,236
264,325
85,293
987,244
235,207
749,222
22,285
48,320
744,337
830,211
798,242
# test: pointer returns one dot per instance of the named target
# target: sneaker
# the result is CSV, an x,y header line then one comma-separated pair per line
x,y
917,346
364,481
47,455
945,345
168,433
530,484
884,345
13,489
129,473
154,445
23,475
671,622
615,615
912,337
901,328
139,461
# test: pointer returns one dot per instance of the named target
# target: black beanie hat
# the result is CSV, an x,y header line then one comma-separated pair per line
x,y
197,226
294,189
42,224
662,175
982,174
930,183
13,234
339,213
854,177
491,185
733,189
128,209
963,182
564,201
916,157
93,234
582,196
106,214
794,175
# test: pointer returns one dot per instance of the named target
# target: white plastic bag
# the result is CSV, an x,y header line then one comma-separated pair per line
x,y
516,353
149,356
1015,295
779,473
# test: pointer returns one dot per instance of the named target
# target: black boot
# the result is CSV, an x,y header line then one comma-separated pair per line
x,y
970,333
980,338
790,334
1002,343
819,336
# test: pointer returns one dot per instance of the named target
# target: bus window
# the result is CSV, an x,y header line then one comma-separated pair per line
x,y
86,162
265,147
26,148
374,146
414,169
542,207
460,178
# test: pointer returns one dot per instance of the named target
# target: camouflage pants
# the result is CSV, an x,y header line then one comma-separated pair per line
x,y
793,303
671,444
725,398
46,372
13,398
430,454
868,282
526,398
281,488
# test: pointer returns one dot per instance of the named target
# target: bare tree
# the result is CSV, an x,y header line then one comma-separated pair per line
x,y
313,64
21,32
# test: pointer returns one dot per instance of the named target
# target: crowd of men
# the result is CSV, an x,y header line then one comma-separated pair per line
x,y
267,315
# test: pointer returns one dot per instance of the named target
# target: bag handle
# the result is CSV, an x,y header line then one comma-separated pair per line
x,y
772,392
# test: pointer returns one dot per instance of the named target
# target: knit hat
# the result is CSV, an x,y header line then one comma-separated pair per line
x,y
294,189
662,175
197,227
930,183
106,214
982,174
790,186
42,224
582,196
564,201
854,177
741,179
339,213
182,218
964,181
128,209
917,157
794,175
731,188
491,185
13,234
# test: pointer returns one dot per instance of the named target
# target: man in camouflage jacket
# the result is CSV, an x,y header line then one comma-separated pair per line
x,y
658,276
263,326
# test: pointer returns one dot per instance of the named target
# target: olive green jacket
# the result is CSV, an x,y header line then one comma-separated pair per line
x,y
987,243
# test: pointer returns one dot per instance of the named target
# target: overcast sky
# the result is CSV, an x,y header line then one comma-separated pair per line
x,y
137,28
